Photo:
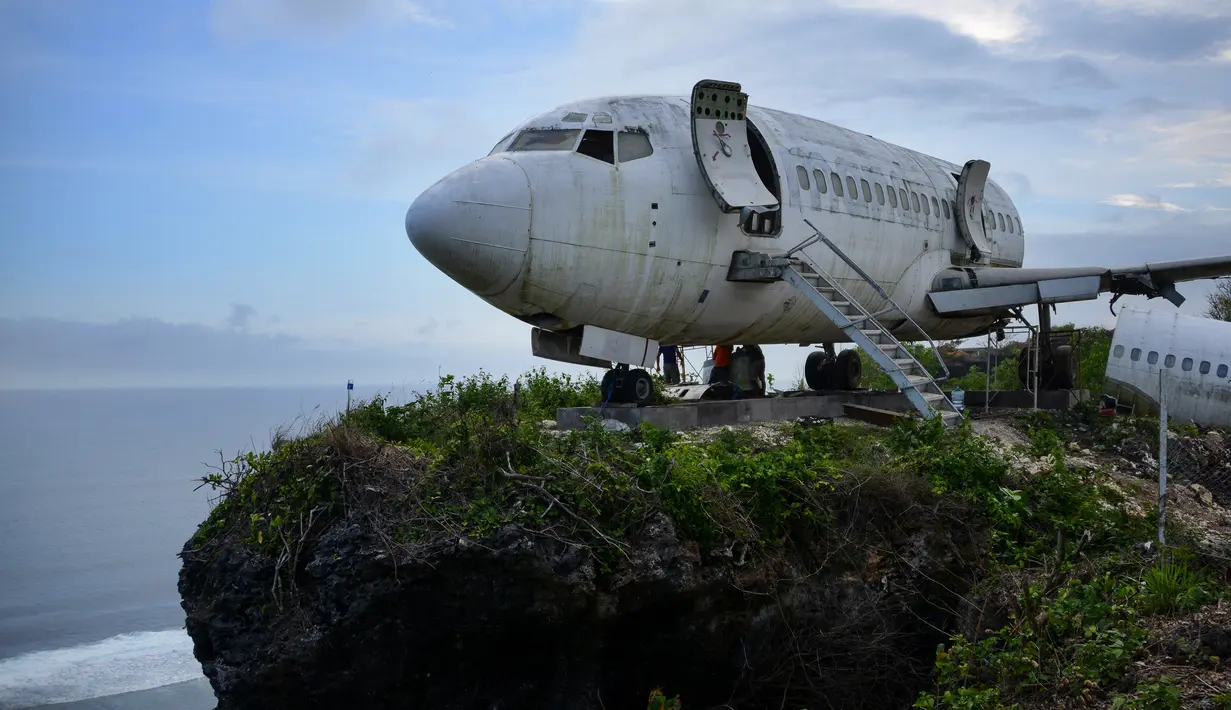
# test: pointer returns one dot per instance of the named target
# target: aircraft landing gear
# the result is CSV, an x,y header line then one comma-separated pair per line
x,y
625,386
1057,362
824,371
1057,369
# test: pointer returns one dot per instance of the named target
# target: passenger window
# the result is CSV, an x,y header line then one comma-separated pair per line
x,y
1205,367
893,196
837,184
926,210
1019,227
914,200
599,145
905,199
1222,371
1169,361
935,207
1187,365
819,177
945,205
1009,221
880,194
1135,355
1152,358
551,139
867,190
991,218
802,173
852,191
633,145
1119,351
1000,219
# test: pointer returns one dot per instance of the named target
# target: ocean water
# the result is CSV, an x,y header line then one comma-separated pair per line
x,y
96,499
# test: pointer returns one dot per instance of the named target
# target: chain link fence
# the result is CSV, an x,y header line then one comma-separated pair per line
x,y
1195,465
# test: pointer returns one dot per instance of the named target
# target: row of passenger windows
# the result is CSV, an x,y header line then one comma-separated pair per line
x,y
601,144
908,200
1186,364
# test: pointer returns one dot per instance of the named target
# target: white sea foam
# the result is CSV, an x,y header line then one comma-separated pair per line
x,y
120,664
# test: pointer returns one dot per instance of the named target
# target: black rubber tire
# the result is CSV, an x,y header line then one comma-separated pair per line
x,y
639,388
604,389
1063,368
816,374
847,370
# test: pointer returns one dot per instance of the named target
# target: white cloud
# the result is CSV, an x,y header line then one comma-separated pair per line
x,y
237,18
986,21
1142,202
1205,139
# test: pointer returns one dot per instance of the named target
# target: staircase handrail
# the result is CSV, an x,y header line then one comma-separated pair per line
x,y
819,236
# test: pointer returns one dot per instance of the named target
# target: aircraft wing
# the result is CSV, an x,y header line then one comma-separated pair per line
x,y
960,291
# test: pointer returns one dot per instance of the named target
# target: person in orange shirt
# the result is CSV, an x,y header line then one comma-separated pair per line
x,y
721,371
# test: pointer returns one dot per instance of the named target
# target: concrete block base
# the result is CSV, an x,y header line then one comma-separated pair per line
x,y
829,405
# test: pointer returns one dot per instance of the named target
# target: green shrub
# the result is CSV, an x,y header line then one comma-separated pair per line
x,y
1170,586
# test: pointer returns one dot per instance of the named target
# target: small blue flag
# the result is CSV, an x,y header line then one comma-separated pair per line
x,y
350,385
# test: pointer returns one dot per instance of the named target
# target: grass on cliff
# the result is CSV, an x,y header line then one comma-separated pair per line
x,y
466,460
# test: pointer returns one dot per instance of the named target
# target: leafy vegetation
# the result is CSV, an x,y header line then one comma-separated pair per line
x,y
470,457
1218,302
1094,345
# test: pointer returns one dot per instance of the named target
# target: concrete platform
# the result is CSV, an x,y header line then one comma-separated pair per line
x,y
693,415
826,405
1056,400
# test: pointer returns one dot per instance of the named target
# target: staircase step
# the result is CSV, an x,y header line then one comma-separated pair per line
x,y
934,396
905,363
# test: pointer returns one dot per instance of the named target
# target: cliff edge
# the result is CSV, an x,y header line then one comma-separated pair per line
x,y
455,552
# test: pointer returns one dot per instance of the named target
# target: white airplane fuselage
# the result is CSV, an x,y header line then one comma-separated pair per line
x,y
1192,354
641,246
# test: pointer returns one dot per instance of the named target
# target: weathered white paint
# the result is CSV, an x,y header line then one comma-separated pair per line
x,y
643,246
1202,398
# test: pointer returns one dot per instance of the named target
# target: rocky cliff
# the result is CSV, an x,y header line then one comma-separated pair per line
x,y
455,553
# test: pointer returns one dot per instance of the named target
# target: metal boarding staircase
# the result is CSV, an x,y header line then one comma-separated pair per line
x,y
863,328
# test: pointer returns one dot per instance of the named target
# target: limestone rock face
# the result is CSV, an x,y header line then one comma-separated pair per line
x,y
521,620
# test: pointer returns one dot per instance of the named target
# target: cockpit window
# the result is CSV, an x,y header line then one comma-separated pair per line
x,y
602,118
545,139
496,148
574,117
634,146
599,145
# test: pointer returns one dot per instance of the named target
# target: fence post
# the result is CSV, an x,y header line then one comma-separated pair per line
x,y
1162,460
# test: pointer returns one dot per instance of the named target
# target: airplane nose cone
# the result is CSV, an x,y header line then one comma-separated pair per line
x,y
474,225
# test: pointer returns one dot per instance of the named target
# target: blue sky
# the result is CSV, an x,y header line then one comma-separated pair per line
x,y
213,192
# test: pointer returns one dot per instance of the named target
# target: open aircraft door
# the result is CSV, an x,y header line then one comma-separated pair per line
x,y
970,187
720,142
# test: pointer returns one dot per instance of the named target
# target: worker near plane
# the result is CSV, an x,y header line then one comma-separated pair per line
x,y
668,361
721,371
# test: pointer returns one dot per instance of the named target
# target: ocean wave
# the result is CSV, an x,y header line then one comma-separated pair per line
x,y
120,664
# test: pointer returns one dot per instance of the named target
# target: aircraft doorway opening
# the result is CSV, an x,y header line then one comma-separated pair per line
x,y
768,223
